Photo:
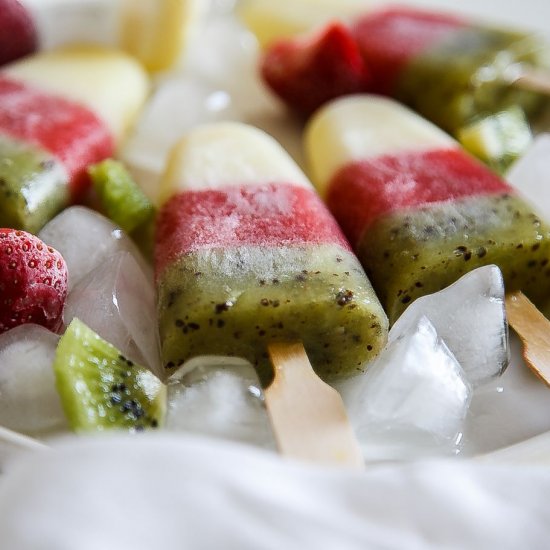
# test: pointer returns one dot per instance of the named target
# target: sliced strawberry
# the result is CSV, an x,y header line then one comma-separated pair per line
x,y
18,35
33,281
308,72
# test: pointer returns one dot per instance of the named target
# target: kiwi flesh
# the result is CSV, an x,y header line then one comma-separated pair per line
x,y
100,389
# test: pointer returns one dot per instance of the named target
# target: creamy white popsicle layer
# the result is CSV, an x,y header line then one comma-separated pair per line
x,y
61,111
418,210
247,254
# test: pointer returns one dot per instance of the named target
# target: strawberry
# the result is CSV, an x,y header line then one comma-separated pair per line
x,y
33,281
307,72
18,35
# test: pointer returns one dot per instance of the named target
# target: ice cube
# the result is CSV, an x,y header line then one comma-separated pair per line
x,y
220,397
470,317
507,410
85,239
117,301
412,400
164,122
231,55
29,402
531,174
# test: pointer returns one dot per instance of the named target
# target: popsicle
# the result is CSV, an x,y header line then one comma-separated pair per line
x,y
446,67
418,210
271,21
59,112
157,32
247,255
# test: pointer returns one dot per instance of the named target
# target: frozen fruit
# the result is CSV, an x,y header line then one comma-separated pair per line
x,y
101,389
18,35
33,281
306,73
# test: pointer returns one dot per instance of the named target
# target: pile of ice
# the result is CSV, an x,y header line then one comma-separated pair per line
x,y
414,398
219,397
110,284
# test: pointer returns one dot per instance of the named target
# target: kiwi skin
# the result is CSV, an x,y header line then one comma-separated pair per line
x,y
100,389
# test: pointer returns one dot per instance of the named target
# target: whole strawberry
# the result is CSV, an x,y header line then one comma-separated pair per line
x,y
306,72
33,281
18,35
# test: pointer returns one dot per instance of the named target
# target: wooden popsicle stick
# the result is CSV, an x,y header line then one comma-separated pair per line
x,y
533,329
308,416
533,80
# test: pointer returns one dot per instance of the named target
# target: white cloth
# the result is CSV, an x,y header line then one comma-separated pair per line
x,y
171,492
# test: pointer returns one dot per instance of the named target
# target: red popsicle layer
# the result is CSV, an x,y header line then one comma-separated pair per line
x,y
390,39
266,215
362,192
69,131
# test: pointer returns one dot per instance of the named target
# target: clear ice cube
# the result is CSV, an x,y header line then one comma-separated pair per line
x,y
221,398
164,122
508,410
531,174
85,239
470,317
117,300
412,400
29,402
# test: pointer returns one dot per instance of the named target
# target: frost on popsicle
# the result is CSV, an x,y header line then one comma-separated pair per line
x,y
29,402
413,398
470,317
221,399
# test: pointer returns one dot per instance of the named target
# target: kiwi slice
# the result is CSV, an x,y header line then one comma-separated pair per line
x,y
121,198
497,139
101,389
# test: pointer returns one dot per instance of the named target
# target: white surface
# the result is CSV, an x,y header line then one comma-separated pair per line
x,y
154,492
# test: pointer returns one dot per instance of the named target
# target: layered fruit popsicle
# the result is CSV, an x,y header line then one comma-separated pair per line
x,y
60,111
446,67
418,210
247,254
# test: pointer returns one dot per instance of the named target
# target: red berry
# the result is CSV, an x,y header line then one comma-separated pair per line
x,y
308,72
33,281
17,31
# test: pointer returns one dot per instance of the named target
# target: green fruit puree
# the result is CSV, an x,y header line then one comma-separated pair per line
x,y
417,252
33,186
465,76
233,303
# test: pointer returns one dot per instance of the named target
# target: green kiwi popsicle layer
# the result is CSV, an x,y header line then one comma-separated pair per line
x,y
468,74
410,253
33,185
234,302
